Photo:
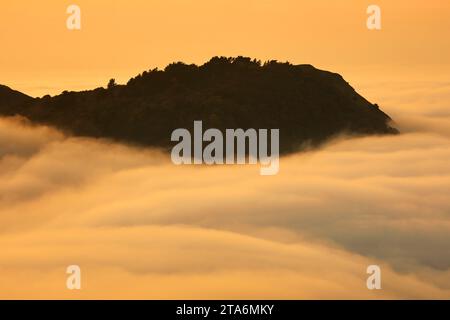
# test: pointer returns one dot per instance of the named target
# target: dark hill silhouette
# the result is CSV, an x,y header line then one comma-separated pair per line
x,y
307,104
10,98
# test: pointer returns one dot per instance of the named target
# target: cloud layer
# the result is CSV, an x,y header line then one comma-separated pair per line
x,y
140,227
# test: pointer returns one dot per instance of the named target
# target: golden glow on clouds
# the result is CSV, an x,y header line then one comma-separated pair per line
x,y
140,227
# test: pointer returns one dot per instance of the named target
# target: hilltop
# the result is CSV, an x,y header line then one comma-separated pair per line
x,y
308,105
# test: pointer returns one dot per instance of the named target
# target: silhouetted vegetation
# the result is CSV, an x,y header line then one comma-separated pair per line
x,y
10,100
111,84
307,104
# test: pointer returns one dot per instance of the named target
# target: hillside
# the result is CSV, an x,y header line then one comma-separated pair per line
x,y
306,104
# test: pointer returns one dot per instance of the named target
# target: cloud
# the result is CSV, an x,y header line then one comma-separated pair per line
x,y
140,227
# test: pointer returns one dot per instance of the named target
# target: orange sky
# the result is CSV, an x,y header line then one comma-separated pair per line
x,y
120,38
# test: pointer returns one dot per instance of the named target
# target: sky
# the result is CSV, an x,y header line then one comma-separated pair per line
x,y
119,39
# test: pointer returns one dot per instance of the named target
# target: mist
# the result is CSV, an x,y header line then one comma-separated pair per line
x,y
141,227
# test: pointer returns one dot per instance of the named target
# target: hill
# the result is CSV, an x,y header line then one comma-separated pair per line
x,y
10,98
306,104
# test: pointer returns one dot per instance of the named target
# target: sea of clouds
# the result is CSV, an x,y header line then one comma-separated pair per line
x,y
141,227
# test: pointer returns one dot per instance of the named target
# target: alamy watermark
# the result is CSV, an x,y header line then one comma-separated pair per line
x,y
73,281
231,150
73,22
374,280
374,20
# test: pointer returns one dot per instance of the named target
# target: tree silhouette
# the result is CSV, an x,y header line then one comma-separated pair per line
x,y
112,83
